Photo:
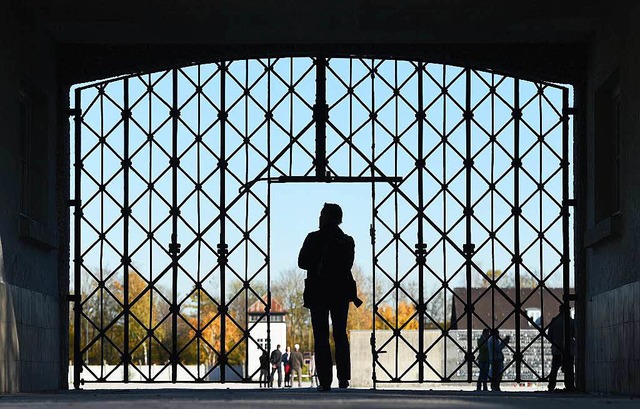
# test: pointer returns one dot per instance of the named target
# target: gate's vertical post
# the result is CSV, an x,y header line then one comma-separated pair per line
x,y
420,248
374,258
77,261
267,308
320,115
565,233
468,247
125,231
517,260
173,248
222,246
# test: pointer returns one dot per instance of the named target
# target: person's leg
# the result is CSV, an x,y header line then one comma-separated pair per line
x,y
569,378
339,316
279,376
499,368
496,375
482,377
299,372
556,363
324,364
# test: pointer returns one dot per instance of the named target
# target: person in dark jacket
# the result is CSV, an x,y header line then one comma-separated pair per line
x,y
276,365
286,364
483,359
264,369
556,332
327,254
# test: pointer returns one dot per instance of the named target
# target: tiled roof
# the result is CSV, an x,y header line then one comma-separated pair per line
x,y
258,307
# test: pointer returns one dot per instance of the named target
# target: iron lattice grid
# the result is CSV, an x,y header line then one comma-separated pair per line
x,y
166,164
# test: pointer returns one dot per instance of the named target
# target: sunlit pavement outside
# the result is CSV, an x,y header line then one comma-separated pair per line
x,y
142,396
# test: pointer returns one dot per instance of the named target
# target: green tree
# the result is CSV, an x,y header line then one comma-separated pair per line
x,y
288,289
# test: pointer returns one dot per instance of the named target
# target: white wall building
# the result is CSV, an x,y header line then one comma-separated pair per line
x,y
260,331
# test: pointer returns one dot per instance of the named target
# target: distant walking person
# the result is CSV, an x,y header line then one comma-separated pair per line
x,y
297,362
312,370
327,254
264,369
286,363
556,334
483,359
276,365
496,356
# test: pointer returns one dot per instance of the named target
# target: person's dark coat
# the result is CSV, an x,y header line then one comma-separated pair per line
x,y
264,360
276,357
327,255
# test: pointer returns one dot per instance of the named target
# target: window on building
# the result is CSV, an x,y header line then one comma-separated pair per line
x,y
262,343
534,315
33,155
607,149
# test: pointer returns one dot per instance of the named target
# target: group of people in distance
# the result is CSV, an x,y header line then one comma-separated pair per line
x,y
491,357
290,363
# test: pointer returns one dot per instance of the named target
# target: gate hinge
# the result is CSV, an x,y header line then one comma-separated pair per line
x,y
73,298
569,111
73,202
570,202
174,248
372,234
74,111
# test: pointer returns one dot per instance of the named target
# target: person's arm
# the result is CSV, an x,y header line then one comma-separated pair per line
x,y
352,255
305,257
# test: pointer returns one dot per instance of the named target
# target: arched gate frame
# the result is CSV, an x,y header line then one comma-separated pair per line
x,y
469,174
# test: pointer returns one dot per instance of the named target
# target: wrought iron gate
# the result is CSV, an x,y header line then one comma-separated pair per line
x,y
172,230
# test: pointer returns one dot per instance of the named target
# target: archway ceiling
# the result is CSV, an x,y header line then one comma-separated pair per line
x,y
327,21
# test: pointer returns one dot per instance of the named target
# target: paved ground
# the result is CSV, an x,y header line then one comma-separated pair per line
x,y
308,398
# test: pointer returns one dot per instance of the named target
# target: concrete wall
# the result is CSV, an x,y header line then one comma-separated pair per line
x,y
29,316
612,324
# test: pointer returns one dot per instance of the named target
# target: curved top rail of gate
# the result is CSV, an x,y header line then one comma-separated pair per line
x,y
172,234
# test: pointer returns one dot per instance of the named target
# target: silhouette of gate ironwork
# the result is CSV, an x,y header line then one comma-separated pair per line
x,y
469,174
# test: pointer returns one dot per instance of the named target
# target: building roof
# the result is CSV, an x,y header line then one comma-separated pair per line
x,y
258,307
503,302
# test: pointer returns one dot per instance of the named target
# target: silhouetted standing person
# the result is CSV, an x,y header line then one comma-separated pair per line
x,y
297,361
264,370
327,254
496,356
483,359
556,333
276,365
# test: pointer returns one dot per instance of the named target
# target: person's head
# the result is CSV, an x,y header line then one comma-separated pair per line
x,y
288,349
486,332
297,346
278,347
562,308
330,215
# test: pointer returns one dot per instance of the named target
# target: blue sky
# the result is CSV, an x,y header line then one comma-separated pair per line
x,y
295,207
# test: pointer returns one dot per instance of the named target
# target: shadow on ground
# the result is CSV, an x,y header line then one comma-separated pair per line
x,y
309,398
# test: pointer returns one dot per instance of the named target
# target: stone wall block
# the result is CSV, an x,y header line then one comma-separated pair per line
x,y
636,342
629,345
627,305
